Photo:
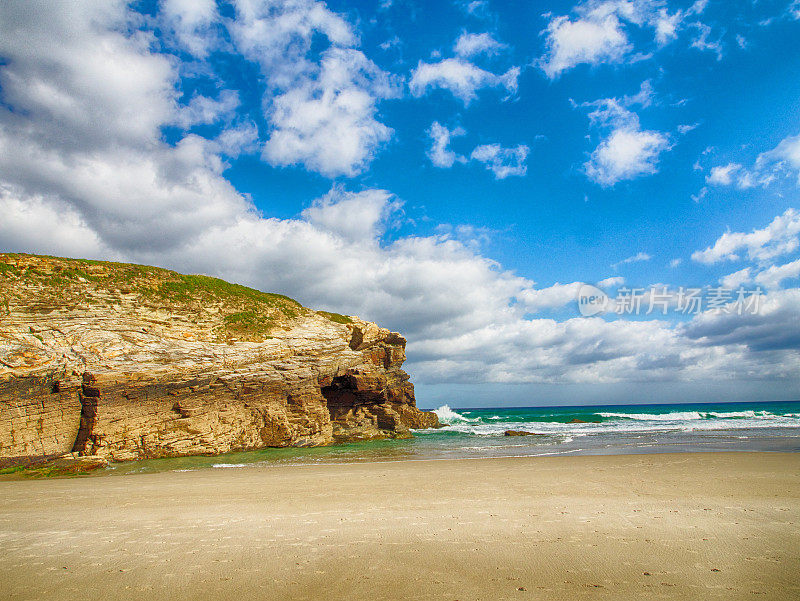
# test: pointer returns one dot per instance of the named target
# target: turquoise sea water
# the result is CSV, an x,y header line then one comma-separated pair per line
x,y
594,430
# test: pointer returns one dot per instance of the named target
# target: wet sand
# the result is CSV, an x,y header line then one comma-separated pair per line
x,y
677,526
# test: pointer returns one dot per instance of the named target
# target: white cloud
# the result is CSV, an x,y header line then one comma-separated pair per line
x,y
460,77
322,115
784,159
701,40
327,123
472,44
57,228
626,154
736,279
778,238
675,262
192,23
626,151
476,8
590,40
204,110
637,258
771,334
722,175
785,156
66,65
600,32
701,194
503,162
773,276
84,171
439,153
611,282
353,217
733,174
552,297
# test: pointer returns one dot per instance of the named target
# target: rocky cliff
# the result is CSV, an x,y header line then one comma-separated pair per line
x,y
126,362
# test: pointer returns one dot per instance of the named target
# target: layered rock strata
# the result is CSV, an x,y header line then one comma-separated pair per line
x,y
129,362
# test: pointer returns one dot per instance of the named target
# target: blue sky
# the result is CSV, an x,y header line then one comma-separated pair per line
x,y
453,170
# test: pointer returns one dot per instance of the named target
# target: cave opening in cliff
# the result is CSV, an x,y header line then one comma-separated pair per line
x,y
340,397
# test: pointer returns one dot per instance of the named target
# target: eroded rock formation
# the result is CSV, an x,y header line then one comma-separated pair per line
x,y
127,362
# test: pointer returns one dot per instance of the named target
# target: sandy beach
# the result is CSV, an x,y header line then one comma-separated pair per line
x,y
671,526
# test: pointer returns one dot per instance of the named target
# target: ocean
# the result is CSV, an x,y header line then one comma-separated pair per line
x,y
589,430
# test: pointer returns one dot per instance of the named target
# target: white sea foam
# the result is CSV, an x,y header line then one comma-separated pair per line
x,y
448,416
729,414
674,416
688,421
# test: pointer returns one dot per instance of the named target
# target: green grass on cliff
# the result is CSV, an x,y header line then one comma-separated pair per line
x,y
60,283
335,317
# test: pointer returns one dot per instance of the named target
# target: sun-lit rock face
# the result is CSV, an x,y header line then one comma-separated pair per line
x,y
127,362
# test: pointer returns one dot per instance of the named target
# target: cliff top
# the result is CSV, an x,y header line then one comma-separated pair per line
x,y
229,312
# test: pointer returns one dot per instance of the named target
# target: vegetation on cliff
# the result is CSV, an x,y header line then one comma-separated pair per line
x,y
241,313
119,362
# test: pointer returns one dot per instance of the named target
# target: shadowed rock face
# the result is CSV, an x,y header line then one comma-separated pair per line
x,y
127,362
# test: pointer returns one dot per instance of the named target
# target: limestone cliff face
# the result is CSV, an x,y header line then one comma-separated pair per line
x,y
127,362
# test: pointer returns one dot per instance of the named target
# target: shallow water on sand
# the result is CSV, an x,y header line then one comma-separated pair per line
x,y
595,430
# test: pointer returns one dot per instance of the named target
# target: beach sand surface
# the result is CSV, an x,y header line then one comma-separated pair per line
x,y
668,526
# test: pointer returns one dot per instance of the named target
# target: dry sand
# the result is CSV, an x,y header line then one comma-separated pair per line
x,y
680,526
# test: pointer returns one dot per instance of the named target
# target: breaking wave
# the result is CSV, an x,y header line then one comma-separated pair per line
x,y
448,416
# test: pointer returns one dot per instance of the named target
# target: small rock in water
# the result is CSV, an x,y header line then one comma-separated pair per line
x,y
520,433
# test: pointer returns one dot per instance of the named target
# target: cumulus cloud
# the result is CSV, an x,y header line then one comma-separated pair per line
x,y
783,160
460,77
733,174
778,238
503,162
328,122
774,275
353,217
773,332
626,151
600,31
192,23
66,65
85,171
590,40
736,279
611,282
322,114
439,153
205,110
722,175
552,297
626,154
472,44
784,157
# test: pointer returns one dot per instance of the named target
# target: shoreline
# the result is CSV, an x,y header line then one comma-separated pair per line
x,y
31,471
676,526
